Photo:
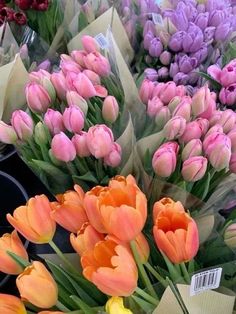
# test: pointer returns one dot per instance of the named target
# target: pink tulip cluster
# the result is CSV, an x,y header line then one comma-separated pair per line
x,y
227,78
197,135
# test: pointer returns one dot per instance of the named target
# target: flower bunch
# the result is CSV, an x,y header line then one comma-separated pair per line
x,y
8,14
187,38
37,5
197,140
73,121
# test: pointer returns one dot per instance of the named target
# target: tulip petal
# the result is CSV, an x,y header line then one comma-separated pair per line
x,y
192,240
101,91
93,212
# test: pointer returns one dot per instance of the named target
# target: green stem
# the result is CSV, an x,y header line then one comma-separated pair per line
x,y
44,152
185,273
146,296
178,296
34,149
70,267
156,275
71,168
61,307
142,271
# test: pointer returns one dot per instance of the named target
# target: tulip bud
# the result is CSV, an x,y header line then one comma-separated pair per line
x,y
230,236
183,109
54,121
89,44
37,97
97,63
168,92
192,131
232,136
174,128
7,133
88,9
174,103
215,118
155,47
163,115
165,158
73,119
59,82
10,304
192,149
74,99
41,134
116,305
78,56
216,128
163,73
113,159
146,90
203,124
165,57
150,74
80,143
94,78
110,109
227,120
68,153
68,66
194,168
200,100
23,4
22,124
154,105
46,83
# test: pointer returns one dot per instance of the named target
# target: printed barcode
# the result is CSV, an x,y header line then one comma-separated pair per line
x,y
101,40
157,19
206,280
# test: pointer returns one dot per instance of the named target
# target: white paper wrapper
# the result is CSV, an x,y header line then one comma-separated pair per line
x,y
8,38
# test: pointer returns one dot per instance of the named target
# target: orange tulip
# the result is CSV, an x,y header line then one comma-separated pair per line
x,y
111,268
37,286
33,220
69,210
85,239
10,304
12,243
122,203
175,232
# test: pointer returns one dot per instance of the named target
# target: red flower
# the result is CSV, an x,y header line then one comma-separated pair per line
x,y
23,4
40,5
20,18
7,13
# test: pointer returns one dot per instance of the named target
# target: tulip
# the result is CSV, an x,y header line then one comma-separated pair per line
x,y
183,109
74,99
176,41
33,220
113,159
85,88
45,65
80,144
227,95
41,134
181,78
192,131
216,128
88,9
22,124
162,116
208,113
216,17
149,36
59,82
146,90
223,31
165,57
163,73
228,74
227,120
202,20
97,63
68,66
193,39
71,77
209,33
9,304
150,74
174,103
23,4
100,140
174,69
201,55
73,119
168,92
187,64
165,158
201,100
12,243
68,153
155,47
94,78
37,97
37,286
232,136
148,27
230,236
7,133
38,76
107,266
215,72
86,239
153,107
142,247
194,168
157,89
232,163
54,122
203,124
174,128
89,44
115,305
110,109
192,149
215,118
20,18
175,232
78,56
40,5
69,211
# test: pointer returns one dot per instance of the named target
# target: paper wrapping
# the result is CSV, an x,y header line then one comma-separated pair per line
x,y
208,302
8,38
13,78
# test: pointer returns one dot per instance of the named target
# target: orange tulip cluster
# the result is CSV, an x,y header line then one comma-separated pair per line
x,y
102,223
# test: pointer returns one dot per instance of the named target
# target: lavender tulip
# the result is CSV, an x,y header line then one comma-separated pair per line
x,y
193,39
202,20
155,48
176,41
216,17
147,40
223,31
187,64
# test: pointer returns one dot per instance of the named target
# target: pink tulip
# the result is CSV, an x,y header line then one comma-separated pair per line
x,y
192,131
201,100
86,89
78,56
62,148
146,90
180,90
215,118
207,114
168,92
70,66
80,144
59,82
227,95
153,106
22,124
110,109
215,72
174,128
227,120
39,75
165,158
203,124
162,117
74,99
94,78
194,168
232,163
192,149
113,159
97,63
71,77
37,97
232,136
184,108
89,44
228,74
216,128
157,89
173,104
100,140
7,133
73,119
54,122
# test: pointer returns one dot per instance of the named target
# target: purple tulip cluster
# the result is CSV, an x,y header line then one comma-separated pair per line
x,y
187,37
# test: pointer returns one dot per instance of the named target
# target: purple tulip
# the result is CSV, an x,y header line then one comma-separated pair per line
x,y
174,69
181,78
151,74
201,54
149,27
155,48
187,64
176,41
202,20
189,8
209,33
222,31
193,39
180,20
163,73
216,17
147,40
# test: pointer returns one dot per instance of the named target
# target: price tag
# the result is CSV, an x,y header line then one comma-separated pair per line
x,y
206,280
101,40
157,19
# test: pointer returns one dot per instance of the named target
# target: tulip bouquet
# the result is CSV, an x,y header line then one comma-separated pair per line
x,y
117,266
74,118
194,146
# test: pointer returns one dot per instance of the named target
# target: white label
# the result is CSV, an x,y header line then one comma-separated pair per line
x,y
101,40
157,19
206,280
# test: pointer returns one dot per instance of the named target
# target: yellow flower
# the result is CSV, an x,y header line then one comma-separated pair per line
x,y
115,305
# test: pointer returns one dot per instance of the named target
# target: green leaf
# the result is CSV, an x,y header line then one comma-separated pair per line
x,y
204,188
82,21
87,309
213,82
144,305
230,54
19,260
148,162
89,177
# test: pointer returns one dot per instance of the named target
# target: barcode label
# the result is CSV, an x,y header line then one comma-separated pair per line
x,y
157,19
206,280
101,40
